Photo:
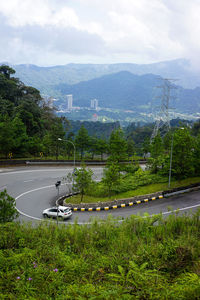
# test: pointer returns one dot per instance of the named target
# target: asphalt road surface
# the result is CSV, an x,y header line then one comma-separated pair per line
x,y
34,189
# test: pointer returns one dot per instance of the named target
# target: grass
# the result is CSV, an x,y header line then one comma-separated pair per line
x,y
144,190
104,260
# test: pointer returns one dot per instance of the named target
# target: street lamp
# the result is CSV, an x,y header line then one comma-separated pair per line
x,y
170,165
59,139
57,184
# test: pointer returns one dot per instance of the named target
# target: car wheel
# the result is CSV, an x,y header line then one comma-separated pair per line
x,y
45,216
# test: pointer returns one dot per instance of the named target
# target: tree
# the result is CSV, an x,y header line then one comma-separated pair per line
x,y
156,160
7,140
117,146
196,161
101,147
146,147
57,131
8,211
82,140
20,136
111,177
130,147
82,179
183,154
6,71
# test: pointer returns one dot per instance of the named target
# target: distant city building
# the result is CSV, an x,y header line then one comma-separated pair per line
x,y
94,104
94,117
69,102
50,101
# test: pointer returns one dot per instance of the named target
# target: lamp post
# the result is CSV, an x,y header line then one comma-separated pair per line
x,y
170,164
57,185
59,139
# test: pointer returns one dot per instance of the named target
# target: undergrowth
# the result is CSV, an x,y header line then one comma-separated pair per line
x,y
140,258
159,186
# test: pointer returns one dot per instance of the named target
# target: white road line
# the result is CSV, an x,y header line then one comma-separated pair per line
x,y
30,171
39,170
44,187
80,223
28,180
22,213
181,209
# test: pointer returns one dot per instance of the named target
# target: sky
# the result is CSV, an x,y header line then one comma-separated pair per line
x,y
58,32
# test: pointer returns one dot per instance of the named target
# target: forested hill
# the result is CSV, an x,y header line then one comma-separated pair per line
x,y
27,125
127,91
120,90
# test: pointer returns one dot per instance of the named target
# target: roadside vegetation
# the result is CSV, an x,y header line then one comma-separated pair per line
x,y
140,258
91,197
172,161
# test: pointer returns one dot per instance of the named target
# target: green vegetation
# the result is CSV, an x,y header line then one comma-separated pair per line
x,y
174,157
8,211
82,180
28,126
140,190
105,260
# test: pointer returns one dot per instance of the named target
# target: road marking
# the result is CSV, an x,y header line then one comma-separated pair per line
x,y
28,180
47,170
181,209
25,193
81,223
39,170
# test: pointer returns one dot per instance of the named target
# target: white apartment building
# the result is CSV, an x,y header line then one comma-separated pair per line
x,y
94,104
69,102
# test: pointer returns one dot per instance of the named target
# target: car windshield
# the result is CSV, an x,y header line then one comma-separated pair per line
x,y
66,210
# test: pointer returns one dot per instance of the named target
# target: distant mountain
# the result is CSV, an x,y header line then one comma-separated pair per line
x,y
120,90
127,91
44,78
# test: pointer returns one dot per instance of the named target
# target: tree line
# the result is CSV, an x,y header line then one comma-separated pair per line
x,y
30,128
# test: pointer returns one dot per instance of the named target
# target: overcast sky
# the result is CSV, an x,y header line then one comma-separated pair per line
x,y
52,32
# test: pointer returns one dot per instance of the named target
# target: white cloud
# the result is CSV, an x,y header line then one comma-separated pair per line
x,y
115,30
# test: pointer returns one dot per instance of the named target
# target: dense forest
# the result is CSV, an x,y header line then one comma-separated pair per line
x,y
30,128
27,125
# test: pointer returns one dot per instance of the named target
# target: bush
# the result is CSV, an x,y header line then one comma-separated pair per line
x,y
104,260
8,211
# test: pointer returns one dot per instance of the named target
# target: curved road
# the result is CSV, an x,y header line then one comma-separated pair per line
x,y
34,190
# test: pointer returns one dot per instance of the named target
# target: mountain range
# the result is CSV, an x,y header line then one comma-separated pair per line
x,y
127,91
122,86
44,78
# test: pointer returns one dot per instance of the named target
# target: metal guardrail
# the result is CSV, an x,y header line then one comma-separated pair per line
x,y
11,162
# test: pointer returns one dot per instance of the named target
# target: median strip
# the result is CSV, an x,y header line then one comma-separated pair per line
x,y
122,205
126,203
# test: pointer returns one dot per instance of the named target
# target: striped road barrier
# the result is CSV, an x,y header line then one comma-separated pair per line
x,y
116,206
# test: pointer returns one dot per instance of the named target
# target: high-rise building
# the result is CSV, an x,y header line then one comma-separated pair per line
x,y
94,104
69,102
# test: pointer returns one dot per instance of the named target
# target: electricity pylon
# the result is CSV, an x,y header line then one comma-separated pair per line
x,y
162,119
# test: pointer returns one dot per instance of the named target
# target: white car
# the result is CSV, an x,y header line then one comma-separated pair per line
x,y
62,212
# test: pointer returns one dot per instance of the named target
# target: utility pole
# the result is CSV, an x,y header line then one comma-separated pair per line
x,y
163,120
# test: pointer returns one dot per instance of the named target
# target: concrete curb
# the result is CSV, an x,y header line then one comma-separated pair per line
x,y
99,208
109,205
127,202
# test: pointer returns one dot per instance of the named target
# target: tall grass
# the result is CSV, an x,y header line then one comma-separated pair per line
x,y
140,258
